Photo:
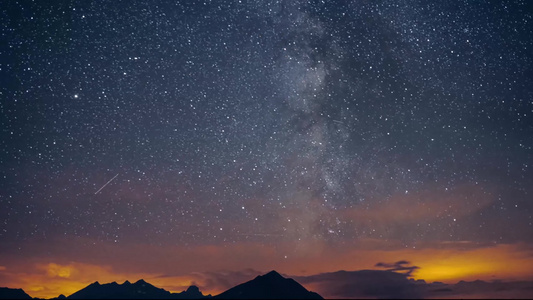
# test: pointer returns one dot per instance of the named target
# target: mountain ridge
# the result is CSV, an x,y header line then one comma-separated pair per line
x,y
271,285
138,290
376,284
7,293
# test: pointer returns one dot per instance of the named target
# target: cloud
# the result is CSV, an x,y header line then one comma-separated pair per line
x,y
218,281
55,270
401,266
46,280
78,262
50,280
209,282
361,284
391,285
481,289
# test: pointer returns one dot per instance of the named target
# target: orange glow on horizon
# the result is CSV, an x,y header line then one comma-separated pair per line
x,y
504,262
447,264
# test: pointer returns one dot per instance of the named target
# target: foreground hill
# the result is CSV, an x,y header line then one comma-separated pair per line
x,y
269,286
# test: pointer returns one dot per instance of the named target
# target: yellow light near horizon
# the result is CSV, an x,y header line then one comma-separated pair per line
x,y
446,264
36,288
483,264
50,289
452,272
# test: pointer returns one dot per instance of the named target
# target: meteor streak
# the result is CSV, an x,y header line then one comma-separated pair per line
x,y
260,234
106,184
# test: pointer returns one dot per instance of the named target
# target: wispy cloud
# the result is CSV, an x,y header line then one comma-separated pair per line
x,y
401,266
361,284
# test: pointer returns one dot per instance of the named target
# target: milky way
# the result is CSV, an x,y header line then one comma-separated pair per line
x,y
264,121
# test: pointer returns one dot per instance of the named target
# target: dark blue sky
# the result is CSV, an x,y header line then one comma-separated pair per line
x,y
229,121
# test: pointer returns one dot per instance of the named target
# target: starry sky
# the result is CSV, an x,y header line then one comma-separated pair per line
x,y
306,136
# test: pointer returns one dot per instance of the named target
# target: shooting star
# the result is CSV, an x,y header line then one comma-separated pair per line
x,y
259,234
106,184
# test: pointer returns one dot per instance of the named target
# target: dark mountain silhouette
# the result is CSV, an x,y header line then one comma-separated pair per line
x,y
7,293
138,290
375,284
269,286
193,292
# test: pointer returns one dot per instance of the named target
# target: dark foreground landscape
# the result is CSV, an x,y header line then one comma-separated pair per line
x,y
340,284
269,286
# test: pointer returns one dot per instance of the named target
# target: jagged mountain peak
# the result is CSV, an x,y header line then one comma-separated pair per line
x,y
269,286
273,275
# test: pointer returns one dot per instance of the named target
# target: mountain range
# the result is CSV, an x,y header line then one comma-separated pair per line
x,y
374,284
269,286
138,290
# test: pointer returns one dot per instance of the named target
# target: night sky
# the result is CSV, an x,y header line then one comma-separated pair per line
x,y
259,135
